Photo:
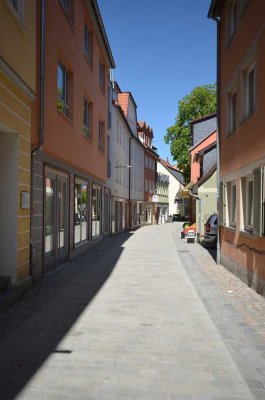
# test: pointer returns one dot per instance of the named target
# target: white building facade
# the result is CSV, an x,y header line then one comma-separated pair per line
x,y
176,183
127,158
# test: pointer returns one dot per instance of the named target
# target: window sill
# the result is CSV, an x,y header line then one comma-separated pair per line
x,y
89,139
229,228
229,134
90,62
65,116
80,244
247,118
102,90
101,150
249,234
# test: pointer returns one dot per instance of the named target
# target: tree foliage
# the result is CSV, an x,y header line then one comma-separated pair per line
x,y
201,101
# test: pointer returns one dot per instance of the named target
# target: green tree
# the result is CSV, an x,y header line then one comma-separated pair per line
x,y
201,101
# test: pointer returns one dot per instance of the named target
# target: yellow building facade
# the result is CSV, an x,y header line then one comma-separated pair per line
x,y
17,92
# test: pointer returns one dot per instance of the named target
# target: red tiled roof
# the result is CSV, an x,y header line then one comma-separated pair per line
x,y
167,164
123,100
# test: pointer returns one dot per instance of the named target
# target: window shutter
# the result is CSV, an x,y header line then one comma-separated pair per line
x,y
222,204
257,201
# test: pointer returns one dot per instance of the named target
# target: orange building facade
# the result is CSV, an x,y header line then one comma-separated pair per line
x,y
69,135
242,139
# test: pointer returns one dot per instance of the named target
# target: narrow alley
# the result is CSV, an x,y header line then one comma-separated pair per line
x,y
124,323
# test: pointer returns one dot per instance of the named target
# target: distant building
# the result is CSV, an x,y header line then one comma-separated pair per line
x,y
128,105
162,192
176,205
145,134
203,170
242,139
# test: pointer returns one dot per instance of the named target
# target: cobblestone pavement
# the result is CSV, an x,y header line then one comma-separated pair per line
x,y
141,316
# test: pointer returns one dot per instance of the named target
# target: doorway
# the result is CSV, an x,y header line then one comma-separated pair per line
x,y
55,220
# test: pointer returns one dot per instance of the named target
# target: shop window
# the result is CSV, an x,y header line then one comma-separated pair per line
x,y
80,212
96,210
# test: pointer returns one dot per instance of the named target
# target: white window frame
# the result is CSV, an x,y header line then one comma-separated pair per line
x,y
231,200
249,204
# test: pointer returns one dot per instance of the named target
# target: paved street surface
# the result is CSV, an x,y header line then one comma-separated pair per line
x,y
142,316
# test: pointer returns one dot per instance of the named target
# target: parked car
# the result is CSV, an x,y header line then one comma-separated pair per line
x,y
210,230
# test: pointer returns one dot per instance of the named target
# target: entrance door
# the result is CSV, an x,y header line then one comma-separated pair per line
x,y
56,220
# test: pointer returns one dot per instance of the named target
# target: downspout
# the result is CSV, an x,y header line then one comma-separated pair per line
x,y
42,79
41,111
199,226
219,203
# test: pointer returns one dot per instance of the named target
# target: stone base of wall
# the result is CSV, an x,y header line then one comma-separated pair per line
x,y
12,294
248,277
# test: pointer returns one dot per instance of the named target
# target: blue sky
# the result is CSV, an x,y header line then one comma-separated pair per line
x,y
162,50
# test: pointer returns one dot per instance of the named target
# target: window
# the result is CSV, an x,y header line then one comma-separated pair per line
x,y
231,202
87,119
102,76
250,91
101,135
232,18
63,89
146,161
247,193
68,9
146,185
232,112
96,210
80,213
18,7
242,5
88,44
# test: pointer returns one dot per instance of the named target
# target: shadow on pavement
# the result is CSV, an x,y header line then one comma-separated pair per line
x,y
211,250
32,329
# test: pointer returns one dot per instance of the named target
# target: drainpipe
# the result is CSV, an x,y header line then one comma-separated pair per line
x,y
219,203
200,212
41,113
